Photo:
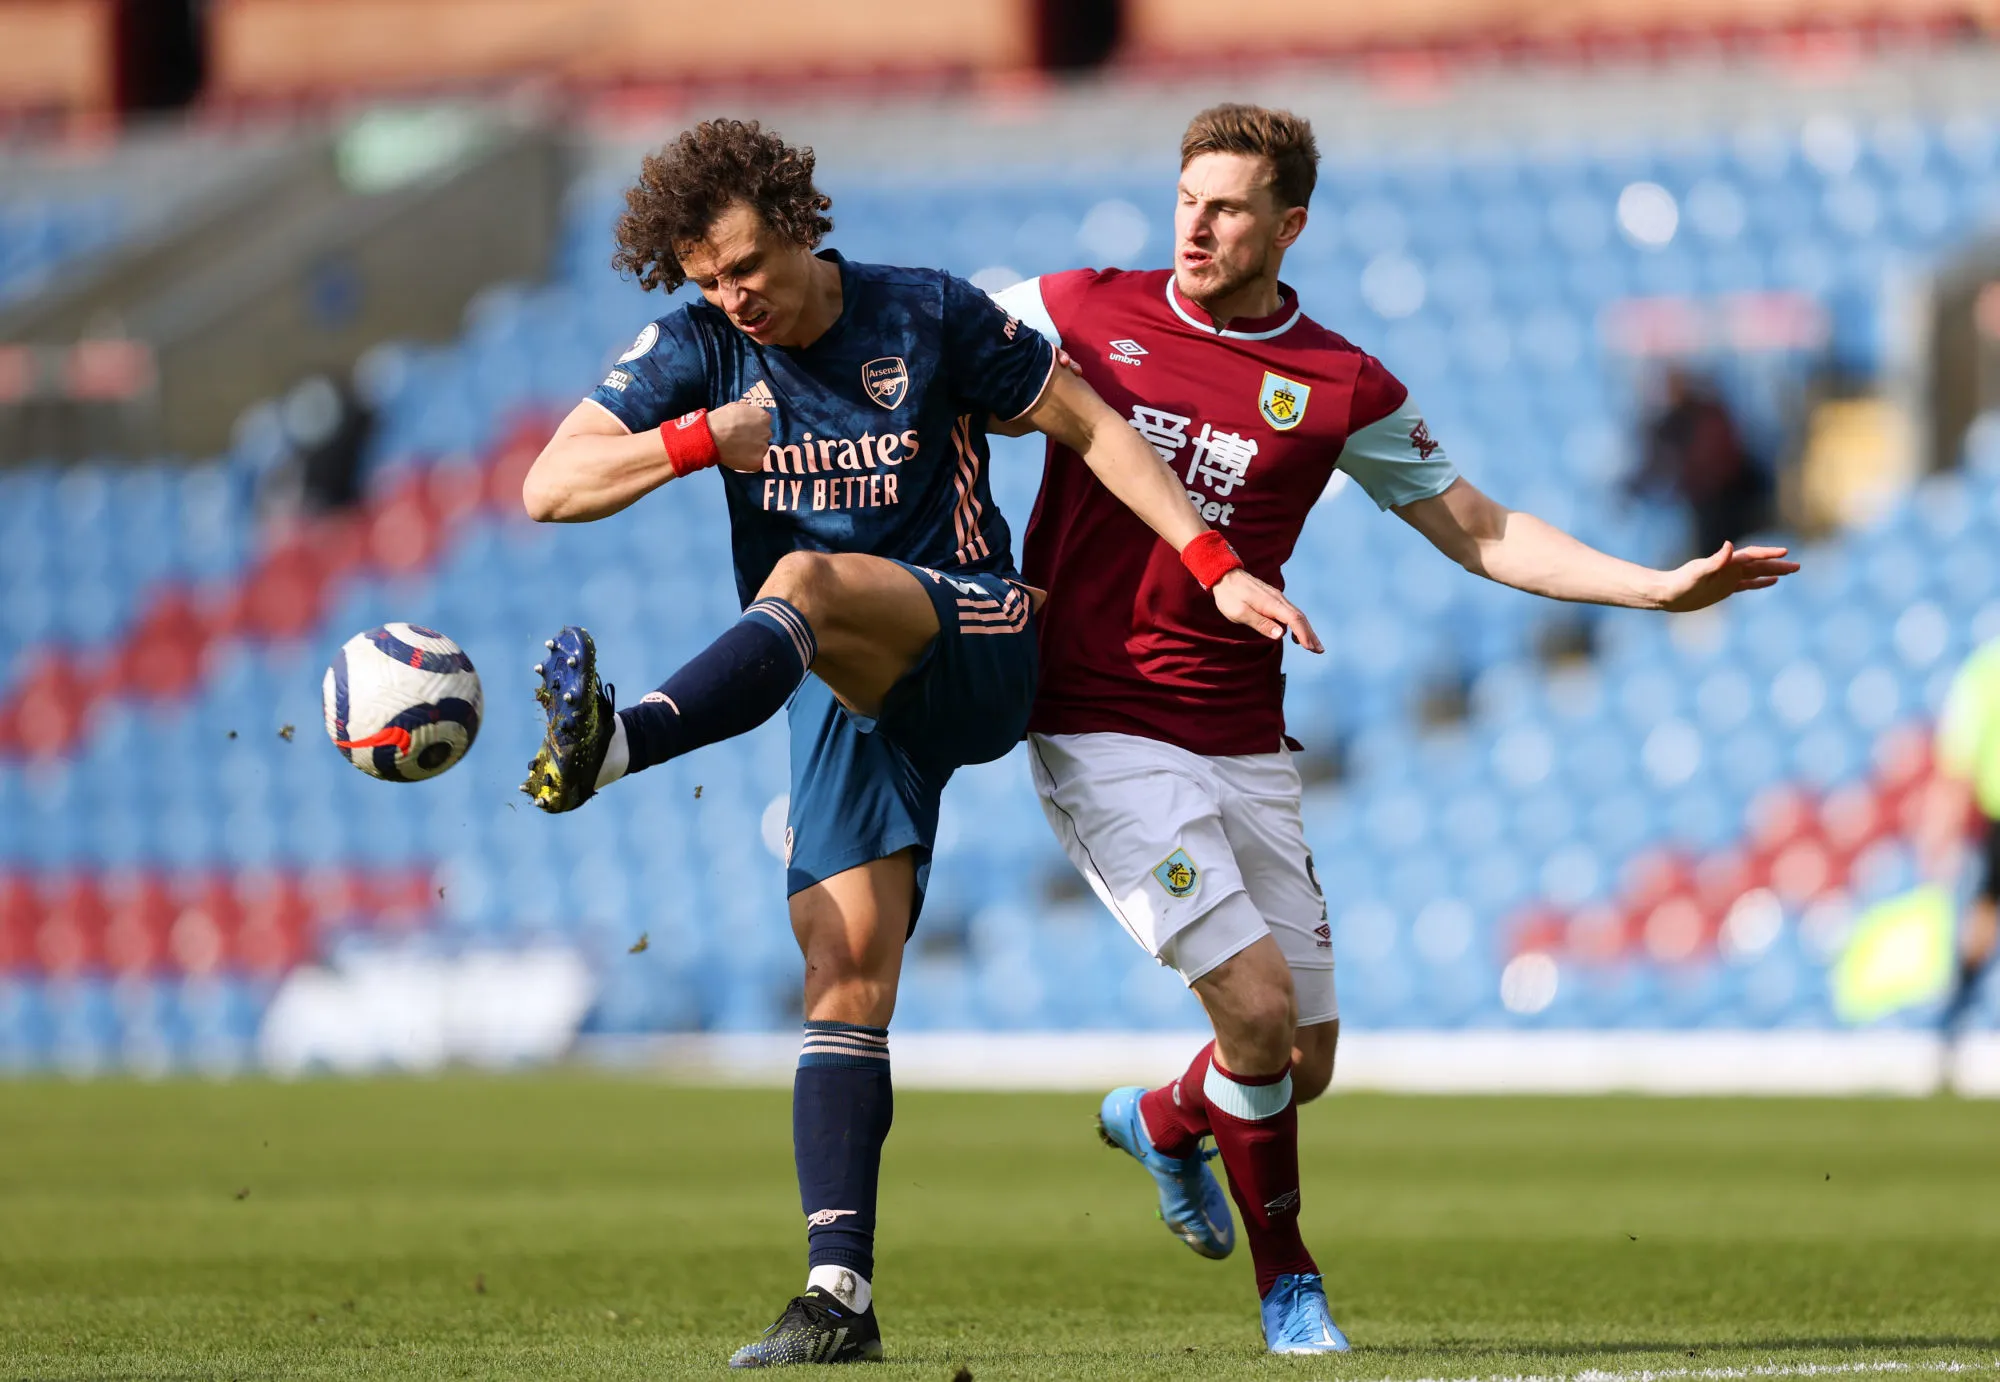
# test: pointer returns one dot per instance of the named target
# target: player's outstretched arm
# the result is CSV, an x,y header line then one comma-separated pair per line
x,y
1518,549
593,467
1070,411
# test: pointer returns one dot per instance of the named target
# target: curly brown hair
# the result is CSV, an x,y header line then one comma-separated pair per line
x,y
684,187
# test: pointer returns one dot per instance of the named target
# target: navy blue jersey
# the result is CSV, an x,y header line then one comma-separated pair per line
x,y
877,428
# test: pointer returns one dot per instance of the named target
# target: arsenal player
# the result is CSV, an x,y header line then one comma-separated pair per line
x,y
1157,738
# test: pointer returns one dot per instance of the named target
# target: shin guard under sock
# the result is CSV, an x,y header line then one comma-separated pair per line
x,y
1256,1125
1176,1114
842,1105
730,687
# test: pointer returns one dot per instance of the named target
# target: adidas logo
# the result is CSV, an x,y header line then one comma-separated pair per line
x,y
759,394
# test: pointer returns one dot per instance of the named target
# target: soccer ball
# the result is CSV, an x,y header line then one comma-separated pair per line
x,y
402,702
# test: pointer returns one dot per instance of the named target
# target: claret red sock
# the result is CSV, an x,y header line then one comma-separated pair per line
x,y
1256,1125
1176,1114
1255,1122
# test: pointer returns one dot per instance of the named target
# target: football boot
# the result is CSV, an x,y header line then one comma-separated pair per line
x,y
817,1327
563,775
1296,1318
1191,1202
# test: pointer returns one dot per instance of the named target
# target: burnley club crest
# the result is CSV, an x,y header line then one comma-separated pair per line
x,y
886,380
1282,401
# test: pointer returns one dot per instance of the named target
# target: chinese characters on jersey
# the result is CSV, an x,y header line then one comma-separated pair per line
x,y
1216,462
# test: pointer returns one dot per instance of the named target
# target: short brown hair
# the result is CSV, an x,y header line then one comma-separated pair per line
x,y
1278,135
684,187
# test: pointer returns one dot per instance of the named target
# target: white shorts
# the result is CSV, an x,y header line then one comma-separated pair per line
x,y
1197,857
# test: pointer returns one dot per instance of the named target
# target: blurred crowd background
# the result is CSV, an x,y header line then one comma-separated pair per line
x,y
292,290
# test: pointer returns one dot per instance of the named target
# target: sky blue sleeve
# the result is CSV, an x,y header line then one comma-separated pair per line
x,y
1396,460
663,375
997,363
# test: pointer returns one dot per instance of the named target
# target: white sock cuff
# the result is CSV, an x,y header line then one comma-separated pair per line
x,y
617,755
1251,1102
843,1283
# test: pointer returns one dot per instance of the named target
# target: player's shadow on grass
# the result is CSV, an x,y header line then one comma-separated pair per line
x,y
1682,1346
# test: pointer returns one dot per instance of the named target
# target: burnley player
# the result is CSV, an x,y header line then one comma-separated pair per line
x,y
845,405
1157,738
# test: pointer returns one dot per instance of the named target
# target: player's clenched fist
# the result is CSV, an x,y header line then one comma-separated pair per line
x,y
742,433
1248,601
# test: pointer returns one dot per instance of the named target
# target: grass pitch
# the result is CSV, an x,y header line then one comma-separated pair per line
x,y
582,1227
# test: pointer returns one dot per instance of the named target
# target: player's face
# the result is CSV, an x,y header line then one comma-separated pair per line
x,y
1229,230
756,276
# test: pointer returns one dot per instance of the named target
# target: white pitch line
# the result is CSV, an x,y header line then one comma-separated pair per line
x,y
1722,1374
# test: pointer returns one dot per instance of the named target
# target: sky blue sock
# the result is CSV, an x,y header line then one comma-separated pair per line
x,y
730,687
842,1105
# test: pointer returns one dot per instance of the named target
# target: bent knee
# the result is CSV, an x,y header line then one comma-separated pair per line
x,y
1311,1076
805,579
1261,1021
1272,1013
1312,1063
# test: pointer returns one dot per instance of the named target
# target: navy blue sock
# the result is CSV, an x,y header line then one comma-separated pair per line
x,y
842,1106
730,687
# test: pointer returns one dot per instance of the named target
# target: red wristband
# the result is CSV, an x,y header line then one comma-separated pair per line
x,y
1209,558
690,445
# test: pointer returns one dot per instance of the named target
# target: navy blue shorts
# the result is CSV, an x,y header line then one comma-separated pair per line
x,y
864,789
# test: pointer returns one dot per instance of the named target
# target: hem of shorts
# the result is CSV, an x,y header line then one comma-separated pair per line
x,y
867,854
1333,1016
1220,960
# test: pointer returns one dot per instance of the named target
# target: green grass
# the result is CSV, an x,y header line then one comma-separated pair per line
x,y
626,1229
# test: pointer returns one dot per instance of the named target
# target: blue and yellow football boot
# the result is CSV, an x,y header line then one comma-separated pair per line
x,y
564,773
1296,1318
817,1327
1191,1202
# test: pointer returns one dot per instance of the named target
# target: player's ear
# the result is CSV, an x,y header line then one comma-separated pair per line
x,y
1291,225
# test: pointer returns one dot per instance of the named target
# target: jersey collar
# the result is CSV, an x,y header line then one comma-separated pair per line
x,y
839,323
1253,329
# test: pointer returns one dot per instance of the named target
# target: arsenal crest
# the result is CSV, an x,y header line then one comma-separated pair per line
x,y
886,380
1283,401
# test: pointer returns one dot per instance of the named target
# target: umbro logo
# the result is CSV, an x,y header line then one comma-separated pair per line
x,y
759,395
1127,351
1420,440
1286,1201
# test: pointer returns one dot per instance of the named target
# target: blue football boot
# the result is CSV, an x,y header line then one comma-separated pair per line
x,y
1192,1204
1296,1319
817,1327
564,773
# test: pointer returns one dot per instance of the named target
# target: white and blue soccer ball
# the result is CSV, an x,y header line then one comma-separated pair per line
x,y
402,702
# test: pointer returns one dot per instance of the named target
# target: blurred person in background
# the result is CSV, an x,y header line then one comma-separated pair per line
x,y
1157,740
1967,791
1694,449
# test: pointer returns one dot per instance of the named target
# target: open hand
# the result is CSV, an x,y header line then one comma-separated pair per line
x,y
1245,600
1709,580
742,433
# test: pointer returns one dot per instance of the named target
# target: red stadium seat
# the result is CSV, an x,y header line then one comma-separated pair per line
x,y
141,919
70,939
20,916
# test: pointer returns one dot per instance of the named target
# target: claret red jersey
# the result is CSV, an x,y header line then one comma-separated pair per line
x,y
1253,417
